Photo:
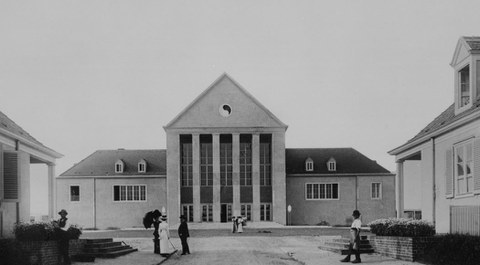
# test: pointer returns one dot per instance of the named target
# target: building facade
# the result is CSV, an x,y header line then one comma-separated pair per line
x,y
18,150
226,157
448,151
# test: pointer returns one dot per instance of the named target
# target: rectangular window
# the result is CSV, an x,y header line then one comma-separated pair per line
x,y
129,193
246,211
464,76
207,212
321,191
74,193
10,176
245,160
206,160
265,161
186,161
141,167
265,212
226,166
376,191
464,167
187,211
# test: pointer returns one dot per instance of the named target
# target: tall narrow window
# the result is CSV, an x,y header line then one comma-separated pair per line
x,y
187,210
464,78
464,167
332,164
142,166
226,165
186,161
119,166
245,159
376,191
207,213
10,176
206,160
265,160
265,212
74,193
246,211
309,164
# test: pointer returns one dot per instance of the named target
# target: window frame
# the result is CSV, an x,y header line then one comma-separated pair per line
x,y
264,211
461,83
189,213
70,193
246,210
463,145
121,166
142,167
309,166
319,191
379,195
132,193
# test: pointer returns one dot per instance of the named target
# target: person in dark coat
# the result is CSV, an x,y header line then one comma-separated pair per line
x,y
149,219
64,240
183,234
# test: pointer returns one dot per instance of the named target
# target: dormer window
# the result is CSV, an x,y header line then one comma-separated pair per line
x,y
309,164
332,164
464,85
119,165
142,166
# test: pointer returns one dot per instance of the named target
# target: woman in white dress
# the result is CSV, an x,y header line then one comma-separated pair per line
x,y
240,224
164,236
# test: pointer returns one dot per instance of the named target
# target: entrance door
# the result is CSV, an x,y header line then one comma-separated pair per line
x,y
225,212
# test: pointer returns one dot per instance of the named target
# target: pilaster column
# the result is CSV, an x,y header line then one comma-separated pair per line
x,y
197,211
52,191
236,173
256,177
399,192
216,177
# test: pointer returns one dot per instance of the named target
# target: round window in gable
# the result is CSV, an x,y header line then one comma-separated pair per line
x,y
225,110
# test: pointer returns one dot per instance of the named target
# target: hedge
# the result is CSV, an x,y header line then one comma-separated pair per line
x,y
453,249
401,227
38,231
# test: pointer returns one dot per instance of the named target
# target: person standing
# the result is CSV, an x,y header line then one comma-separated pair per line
x,y
164,236
240,224
155,215
354,245
63,234
234,221
183,234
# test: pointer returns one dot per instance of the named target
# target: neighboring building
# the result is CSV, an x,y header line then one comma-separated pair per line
x,y
448,150
18,150
113,188
226,157
327,184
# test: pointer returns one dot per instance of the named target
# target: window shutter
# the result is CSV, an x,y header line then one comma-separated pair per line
x,y
10,176
449,174
476,167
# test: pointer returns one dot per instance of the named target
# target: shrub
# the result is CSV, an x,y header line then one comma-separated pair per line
x,y
10,253
401,227
39,231
453,249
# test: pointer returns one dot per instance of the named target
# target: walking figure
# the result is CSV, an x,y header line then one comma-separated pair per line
x,y
354,246
149,219
164,236
183,234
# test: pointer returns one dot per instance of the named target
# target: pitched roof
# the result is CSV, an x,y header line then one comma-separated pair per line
x,y
9,125
102,163
211,87
473,42
348,161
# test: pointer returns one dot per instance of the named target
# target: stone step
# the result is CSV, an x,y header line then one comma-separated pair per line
x,y
102,245
114,254
106,249
346,245
99,240
344,251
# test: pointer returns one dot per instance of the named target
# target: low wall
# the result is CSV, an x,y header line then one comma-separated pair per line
x,y
403,248
47,252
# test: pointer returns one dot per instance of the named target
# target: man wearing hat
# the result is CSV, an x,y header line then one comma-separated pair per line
x,y
183,234
354,238
63,246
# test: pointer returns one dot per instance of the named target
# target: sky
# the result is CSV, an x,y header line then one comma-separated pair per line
x,y
86,75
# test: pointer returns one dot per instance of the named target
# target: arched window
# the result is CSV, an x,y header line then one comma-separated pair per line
x,y
119,165
309,164
142,166
332,164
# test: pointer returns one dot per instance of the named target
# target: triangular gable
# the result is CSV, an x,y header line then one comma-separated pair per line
x,y
243,109
462,51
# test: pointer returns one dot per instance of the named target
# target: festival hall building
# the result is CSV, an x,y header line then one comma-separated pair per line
x,y
226,157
